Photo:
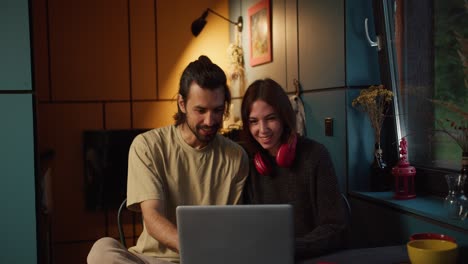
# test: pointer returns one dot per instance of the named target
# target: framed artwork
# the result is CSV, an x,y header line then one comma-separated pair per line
x,y
260,33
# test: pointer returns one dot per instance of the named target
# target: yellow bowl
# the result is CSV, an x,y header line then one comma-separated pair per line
x,y
432,251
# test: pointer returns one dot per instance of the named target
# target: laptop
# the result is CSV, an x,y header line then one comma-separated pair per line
x,y
233,234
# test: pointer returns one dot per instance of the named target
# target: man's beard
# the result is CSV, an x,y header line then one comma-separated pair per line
x,y
200,137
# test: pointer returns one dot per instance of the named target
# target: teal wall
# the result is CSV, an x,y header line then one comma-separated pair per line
x,y
318,106
17,167
354,65
15,55
18,221
360,142
362,68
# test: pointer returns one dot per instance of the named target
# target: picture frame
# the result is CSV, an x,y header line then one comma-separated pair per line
x,y
260,33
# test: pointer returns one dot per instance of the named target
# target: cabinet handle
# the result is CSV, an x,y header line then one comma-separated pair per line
x,y
372,43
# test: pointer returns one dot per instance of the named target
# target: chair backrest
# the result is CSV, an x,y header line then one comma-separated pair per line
x,y
119,222
347,207
347,234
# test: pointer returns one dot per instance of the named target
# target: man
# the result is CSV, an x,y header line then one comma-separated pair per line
x,y
188,163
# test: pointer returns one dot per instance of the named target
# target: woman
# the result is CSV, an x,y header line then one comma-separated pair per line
x,y
287,168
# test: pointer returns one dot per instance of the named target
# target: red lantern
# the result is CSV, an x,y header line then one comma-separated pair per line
x,y
404,175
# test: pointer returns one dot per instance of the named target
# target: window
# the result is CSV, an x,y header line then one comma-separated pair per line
x,y
424,42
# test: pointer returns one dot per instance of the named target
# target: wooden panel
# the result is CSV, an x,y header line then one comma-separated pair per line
x,y
321,44
89,49
112,228
60,128
277,69
117,115
75,253
131,224
143,49
292,64
153,114
40,49
176,45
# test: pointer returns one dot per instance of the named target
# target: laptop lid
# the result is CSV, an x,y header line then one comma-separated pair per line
x,y
233,234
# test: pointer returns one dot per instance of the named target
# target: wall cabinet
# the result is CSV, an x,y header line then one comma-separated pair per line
x,y
362,68
17,160
321,47
15,54
335,58
18,183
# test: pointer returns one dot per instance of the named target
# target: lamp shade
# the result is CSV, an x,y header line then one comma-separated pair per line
x,y
199,23
197,26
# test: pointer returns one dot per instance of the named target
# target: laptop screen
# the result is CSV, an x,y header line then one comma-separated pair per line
x,y
236,234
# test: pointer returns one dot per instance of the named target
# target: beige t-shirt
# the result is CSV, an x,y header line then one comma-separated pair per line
x,y
161,165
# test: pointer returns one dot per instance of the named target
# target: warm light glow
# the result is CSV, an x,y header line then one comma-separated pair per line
x,y
181,47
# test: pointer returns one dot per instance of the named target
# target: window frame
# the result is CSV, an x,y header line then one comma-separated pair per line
x,y
429,179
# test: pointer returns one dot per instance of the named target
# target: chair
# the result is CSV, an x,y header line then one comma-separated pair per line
x,y
348,207
119,222
347,234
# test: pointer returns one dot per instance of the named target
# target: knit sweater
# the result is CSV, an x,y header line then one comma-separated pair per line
x,y
310,186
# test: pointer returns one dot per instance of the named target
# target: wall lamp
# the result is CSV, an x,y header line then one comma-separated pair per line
x,y
199,23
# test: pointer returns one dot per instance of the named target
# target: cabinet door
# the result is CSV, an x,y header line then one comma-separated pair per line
x,y
284,64
362,67
321,58
15,65
321,44
17,195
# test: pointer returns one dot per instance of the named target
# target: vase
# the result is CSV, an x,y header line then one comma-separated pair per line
x,y
379,171
455,203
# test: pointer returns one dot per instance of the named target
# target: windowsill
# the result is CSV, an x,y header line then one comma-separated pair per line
x,y
425,206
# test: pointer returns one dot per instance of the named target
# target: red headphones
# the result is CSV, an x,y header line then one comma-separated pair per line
x,y
284,157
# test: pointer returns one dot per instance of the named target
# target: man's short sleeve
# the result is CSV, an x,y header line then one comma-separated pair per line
x,y
144,181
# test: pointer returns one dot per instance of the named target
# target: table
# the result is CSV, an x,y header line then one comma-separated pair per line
x,y
381,255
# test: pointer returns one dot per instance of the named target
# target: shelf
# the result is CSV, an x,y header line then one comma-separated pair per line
x,y
430,207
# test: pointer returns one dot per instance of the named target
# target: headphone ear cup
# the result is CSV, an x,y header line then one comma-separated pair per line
x,y
262,166
287,153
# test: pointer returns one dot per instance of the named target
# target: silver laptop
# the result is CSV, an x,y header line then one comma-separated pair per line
x,y
233,234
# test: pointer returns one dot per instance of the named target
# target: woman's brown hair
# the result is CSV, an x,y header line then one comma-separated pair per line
x,y
273,94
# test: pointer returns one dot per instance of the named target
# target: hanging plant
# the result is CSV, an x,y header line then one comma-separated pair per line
x,y
236,72
236,61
